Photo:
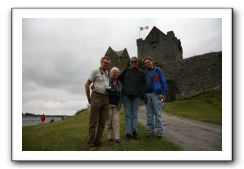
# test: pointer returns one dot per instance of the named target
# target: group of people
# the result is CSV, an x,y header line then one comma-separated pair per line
x,y
106,92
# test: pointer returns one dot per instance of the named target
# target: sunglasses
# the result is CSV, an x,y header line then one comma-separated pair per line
x,y
107,63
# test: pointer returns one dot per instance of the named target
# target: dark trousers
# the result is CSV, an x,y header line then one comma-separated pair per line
x,y
98,117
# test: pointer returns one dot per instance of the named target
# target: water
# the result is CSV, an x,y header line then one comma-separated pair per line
x,y
35,120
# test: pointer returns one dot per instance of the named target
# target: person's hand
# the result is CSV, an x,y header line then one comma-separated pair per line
x,y
93,87
88,105
89,100
161,97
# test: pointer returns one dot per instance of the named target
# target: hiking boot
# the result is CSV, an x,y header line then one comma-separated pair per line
x,y
149,135
110,141
98,144
128,137
160,137
92,147
117,141
134,135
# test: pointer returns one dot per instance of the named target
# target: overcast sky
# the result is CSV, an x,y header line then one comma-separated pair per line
x,y
59,54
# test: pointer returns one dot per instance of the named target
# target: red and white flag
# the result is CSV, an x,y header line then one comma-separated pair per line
x,y
143,28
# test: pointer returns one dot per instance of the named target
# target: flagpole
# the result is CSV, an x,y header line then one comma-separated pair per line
x,y
139,31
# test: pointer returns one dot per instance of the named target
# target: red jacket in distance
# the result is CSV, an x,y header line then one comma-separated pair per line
x,y
43,117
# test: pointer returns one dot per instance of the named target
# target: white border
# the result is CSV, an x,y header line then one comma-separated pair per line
x,y
224,155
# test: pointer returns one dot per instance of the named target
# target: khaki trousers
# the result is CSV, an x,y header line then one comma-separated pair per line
x,y
98,117
113,124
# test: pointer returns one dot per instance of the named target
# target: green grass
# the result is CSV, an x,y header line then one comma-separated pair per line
x,y
206,107
72,135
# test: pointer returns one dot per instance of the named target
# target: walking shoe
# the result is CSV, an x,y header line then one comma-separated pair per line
x,y
128,137
149,135
134,135
117,141
110,141
98,144
92,147
160,137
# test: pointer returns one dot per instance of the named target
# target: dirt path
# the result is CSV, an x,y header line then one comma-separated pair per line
x,y
191,135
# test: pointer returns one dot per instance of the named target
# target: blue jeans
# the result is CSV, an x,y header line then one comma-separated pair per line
x,y
131,109
154,114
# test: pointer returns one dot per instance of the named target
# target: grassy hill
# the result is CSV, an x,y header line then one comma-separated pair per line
x,y
72,133
206,107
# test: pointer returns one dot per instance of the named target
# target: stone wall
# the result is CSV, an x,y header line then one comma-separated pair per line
x,y
196,74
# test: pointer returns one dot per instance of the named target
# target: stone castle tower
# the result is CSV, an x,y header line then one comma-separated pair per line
x,y
163,48
119,59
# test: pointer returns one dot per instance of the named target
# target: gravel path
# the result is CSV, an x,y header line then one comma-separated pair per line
x,y
191,135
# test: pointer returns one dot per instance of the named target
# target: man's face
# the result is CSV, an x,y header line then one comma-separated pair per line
x,y
105,64
148,64
133,63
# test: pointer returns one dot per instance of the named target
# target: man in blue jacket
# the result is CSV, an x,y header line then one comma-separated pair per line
x,y
155,93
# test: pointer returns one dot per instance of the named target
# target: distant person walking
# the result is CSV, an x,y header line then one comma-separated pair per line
x,y
155,93
99,102
114,95
42,117
132,79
